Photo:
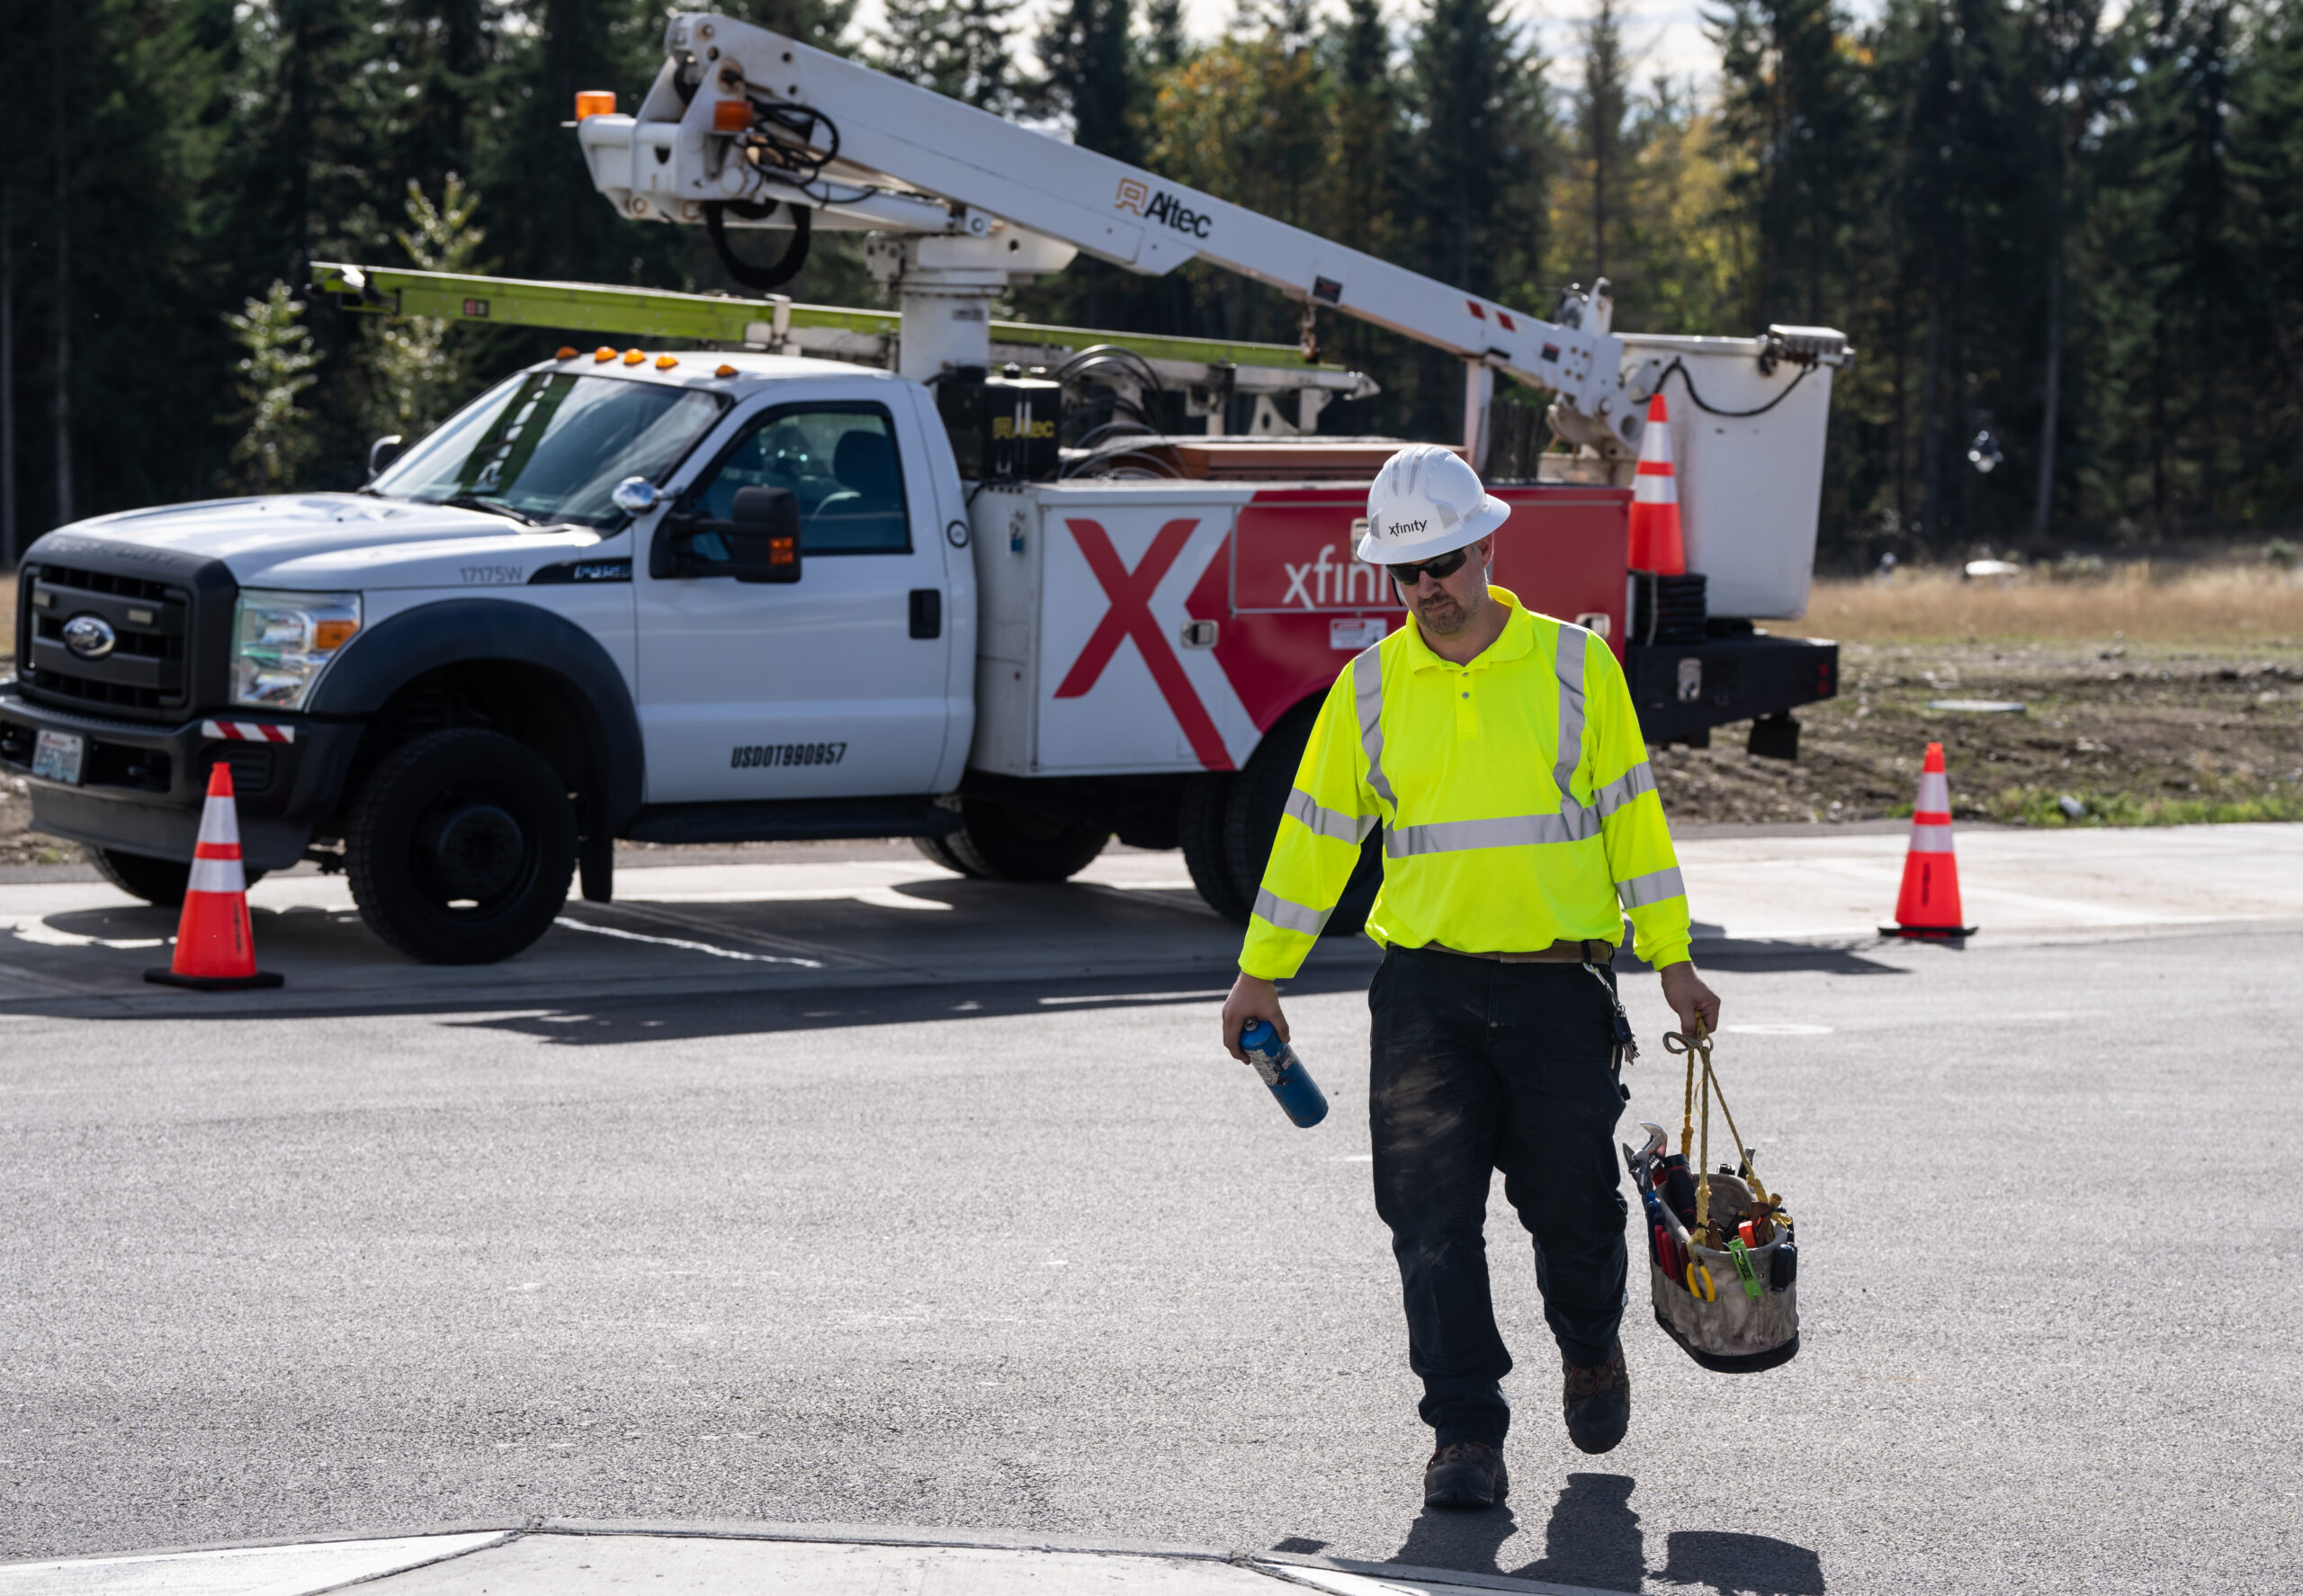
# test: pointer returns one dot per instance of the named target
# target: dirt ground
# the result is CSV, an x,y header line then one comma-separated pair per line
x,y
2149,735
2147,698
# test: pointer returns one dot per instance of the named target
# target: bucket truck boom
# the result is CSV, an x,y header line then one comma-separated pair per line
x,y
747,128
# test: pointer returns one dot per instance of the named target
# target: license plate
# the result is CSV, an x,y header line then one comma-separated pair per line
x,y
55,756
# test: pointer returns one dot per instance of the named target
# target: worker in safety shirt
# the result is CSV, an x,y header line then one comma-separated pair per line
x,y
1499,750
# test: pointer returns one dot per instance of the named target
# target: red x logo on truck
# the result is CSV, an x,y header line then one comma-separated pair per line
x,y
1131,616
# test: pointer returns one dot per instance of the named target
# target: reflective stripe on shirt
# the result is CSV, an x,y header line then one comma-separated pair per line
x,y
1569,664
1368,686
1640,778
1322,821
1654,887
1286,916
1450,836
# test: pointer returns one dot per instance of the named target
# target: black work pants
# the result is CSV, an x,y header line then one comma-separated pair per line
x,y
1480,1065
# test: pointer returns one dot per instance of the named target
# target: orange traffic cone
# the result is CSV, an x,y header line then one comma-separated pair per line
x,y
215,948
1656,545
1929,904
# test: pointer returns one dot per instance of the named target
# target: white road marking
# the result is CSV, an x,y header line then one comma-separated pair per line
x,y
681,942
1779,1028
1134,998
876,896
29,927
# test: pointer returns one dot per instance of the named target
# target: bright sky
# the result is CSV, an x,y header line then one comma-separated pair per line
x,y
1667,35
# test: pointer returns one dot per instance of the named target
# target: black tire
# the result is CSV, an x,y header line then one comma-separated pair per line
x,y
1251,824
460,848
161,882
939,852
1199,832
140,875
1000,842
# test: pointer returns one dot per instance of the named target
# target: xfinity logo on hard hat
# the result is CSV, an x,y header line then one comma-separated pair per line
x,y
1406,528
1161,207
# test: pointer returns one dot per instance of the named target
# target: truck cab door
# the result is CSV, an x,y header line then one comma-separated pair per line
x,y
833,686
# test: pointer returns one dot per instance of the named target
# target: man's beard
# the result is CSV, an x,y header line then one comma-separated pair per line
x,y
1441,616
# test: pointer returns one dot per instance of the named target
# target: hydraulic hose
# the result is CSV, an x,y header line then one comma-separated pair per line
x,y
765,279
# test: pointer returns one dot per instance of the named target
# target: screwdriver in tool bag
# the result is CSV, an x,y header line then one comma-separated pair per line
x,y
1284,1072
1678,1187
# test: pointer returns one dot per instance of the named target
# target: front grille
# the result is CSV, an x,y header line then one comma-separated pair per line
x,y
105,581
146,670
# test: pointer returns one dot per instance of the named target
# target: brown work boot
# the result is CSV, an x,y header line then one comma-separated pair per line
x,y
1598,1400
1465,1474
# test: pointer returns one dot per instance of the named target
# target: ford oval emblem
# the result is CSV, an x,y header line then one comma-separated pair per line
x,y
90,636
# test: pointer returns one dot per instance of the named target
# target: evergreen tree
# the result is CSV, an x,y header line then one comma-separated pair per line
x,y
1791,110
1602,112
276,368
1481,147
823,23
1091,74
1164,45
417,371
959,48
442,54
1367,130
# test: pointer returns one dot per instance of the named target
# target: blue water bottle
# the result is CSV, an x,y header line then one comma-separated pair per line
x,y
1284,1072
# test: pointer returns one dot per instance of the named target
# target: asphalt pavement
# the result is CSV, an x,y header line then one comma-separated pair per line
x,y
851,1193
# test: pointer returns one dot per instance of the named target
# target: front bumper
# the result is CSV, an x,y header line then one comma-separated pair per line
x,y
142,786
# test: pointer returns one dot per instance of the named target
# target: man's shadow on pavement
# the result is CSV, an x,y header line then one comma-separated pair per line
x,y
1592,1538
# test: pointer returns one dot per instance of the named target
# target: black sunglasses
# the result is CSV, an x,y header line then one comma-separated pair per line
x,y
1438,569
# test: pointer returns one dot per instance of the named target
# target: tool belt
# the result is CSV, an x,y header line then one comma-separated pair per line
x,y
1722,1263
1593,952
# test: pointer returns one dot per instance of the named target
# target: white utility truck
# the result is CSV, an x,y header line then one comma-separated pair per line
x,y
991,596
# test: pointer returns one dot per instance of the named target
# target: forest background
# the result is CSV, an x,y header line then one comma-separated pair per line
x,y
2066,240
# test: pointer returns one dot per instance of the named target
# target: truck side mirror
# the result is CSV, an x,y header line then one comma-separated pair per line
x,y
763,539
758,542
382,453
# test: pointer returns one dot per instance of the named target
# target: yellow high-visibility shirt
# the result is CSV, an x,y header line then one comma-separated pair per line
x,y
1515,795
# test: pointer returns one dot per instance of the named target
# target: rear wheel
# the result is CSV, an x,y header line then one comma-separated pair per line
x,y
163,882
1250,823
1200,831
1002,842
939,852
460,848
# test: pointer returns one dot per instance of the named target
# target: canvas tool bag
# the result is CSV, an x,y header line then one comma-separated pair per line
x,y
1731,1303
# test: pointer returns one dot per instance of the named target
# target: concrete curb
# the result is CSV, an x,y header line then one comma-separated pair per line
x,y
1275,1563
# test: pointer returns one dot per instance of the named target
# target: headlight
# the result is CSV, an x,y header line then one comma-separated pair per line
x,y
281,642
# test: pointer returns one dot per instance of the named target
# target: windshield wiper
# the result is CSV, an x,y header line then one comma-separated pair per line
x,y
473,501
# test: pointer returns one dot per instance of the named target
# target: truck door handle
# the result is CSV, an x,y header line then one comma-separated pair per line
x,y
927,612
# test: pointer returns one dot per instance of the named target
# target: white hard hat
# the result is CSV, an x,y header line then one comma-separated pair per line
x,y
1426,502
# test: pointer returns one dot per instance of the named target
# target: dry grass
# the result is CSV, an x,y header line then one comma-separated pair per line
x,y
7,615
2247,606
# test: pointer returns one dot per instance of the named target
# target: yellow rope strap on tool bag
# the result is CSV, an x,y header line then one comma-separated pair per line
x,y
1721,1327
1700,1048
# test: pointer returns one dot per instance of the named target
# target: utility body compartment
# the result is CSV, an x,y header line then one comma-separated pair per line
x,y
1156,627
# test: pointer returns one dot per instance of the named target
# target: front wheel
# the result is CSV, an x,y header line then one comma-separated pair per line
x,y
159,882
460,848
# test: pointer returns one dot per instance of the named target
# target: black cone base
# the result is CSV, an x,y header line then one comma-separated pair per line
x,y
214,983
1929,933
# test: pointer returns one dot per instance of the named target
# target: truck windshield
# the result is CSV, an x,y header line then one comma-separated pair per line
x,y
549,447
